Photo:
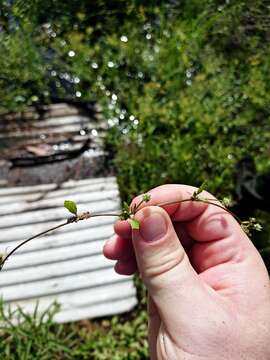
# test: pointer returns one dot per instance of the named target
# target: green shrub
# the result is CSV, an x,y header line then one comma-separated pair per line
x,y
204,107
186,85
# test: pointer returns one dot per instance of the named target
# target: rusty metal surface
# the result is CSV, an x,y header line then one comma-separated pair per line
x,y
63,142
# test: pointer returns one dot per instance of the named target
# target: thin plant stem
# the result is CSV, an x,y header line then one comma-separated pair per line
x,y
206,201
29,239
224,208
88,215
136,207
69,221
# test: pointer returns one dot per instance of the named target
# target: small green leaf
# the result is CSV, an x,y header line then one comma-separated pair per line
x,y
135,224
71,206
198,191
146,197
126,206
201,188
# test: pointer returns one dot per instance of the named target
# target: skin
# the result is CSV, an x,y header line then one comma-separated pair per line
x,y
209,293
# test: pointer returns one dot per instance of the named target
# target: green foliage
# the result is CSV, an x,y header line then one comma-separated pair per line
x,y
71,206
38,337
200,114
185,87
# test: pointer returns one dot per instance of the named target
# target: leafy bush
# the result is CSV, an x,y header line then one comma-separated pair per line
x,y
186,84
204,107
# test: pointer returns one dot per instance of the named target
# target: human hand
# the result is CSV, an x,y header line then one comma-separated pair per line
x,y
209,293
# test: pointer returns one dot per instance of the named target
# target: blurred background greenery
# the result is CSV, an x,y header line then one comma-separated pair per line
x,y
184,86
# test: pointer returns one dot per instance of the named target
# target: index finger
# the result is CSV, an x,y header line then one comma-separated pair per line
x,y
174,193
205,222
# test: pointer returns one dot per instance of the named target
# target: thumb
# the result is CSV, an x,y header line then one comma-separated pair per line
x,y
173,284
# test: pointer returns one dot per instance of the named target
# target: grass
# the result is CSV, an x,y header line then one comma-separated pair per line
x,y
38,337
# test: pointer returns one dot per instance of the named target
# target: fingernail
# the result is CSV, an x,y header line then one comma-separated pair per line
x,y
153,227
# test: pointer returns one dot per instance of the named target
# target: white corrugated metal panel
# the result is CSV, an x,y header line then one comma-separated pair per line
x,y
54,122
66,265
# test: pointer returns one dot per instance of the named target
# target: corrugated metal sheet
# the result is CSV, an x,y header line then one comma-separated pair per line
x,y
67,265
